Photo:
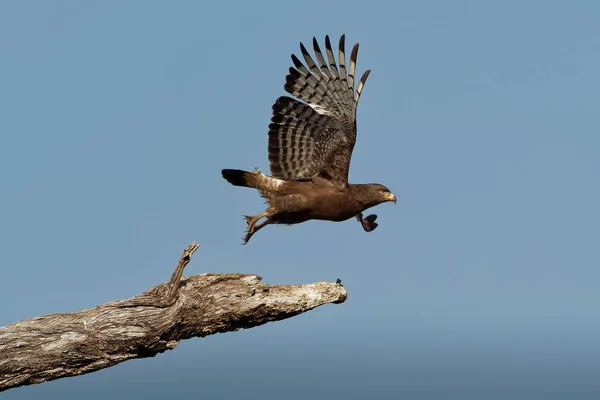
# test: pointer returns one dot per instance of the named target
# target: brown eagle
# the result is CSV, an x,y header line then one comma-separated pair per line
x,y
310,146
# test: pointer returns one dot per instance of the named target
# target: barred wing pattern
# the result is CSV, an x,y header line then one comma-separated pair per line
x,y
317,136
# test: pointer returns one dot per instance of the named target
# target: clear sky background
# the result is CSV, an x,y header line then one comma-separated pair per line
x,y
482,117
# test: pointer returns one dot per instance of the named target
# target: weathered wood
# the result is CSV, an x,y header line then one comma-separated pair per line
x,y
60,345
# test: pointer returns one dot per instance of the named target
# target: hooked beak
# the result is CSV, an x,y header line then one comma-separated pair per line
x,y
390,197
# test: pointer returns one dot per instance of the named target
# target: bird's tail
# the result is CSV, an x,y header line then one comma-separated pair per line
x,y
256,180
237,177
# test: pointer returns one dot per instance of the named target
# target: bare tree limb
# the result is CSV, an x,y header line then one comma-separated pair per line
x,y
60,345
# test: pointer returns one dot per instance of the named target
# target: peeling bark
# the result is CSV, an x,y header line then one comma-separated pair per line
x,y
60,345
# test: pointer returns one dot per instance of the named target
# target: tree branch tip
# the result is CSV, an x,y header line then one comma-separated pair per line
x,y
191,249
343,296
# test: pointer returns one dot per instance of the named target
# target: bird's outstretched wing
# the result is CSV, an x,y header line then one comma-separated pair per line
x,y
316,136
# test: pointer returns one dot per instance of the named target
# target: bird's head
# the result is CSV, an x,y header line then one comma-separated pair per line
x,y
385,194
374,193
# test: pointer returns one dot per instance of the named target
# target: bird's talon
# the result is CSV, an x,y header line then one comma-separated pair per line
x,y
369,223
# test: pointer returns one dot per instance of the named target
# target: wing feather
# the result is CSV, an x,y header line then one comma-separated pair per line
x,y
314,133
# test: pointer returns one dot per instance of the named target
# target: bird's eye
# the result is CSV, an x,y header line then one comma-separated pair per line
x,y
382,191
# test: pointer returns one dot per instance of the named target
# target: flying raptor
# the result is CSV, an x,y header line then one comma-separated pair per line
x,y
311,138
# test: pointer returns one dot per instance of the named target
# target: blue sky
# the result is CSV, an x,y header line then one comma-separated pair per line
x,y
482,117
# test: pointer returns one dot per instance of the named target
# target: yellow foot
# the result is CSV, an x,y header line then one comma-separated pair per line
x,y
252,227
251,221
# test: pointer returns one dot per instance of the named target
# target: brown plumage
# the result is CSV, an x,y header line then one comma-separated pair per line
x,y
310,146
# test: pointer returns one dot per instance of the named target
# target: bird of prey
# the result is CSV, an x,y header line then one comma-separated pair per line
x,y
310,143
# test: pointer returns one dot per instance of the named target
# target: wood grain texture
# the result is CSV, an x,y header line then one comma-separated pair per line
x,y
60,345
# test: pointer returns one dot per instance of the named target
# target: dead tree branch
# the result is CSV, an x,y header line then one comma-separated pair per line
x,y
60,345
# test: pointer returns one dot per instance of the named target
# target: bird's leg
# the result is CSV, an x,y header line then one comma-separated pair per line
x,y
252,220
367,223
252,227
255,229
